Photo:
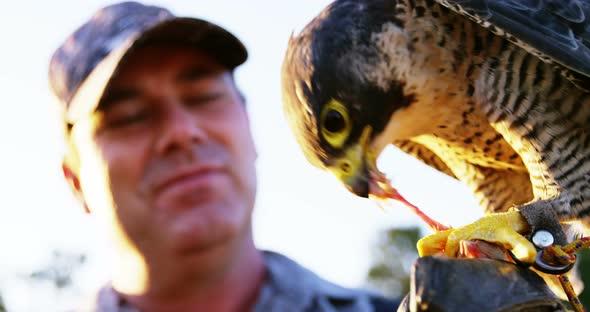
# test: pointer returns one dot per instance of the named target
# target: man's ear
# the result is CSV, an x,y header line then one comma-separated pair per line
x,y
74,182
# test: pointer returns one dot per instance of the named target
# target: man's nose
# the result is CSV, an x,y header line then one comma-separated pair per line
x,y
180,129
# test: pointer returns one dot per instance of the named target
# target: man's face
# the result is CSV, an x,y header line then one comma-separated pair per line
x,y
167,159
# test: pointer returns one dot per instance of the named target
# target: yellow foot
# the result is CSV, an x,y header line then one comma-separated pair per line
x,y
500,228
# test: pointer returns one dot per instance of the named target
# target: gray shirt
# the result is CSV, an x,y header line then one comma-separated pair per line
x,y
288,287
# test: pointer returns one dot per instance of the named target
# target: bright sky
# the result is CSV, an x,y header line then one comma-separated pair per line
x,y
301,211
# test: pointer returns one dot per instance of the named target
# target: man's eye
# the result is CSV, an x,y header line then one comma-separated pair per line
x,y
203,98
127,119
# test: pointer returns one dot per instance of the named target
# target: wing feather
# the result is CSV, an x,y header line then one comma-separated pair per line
x,y
558,31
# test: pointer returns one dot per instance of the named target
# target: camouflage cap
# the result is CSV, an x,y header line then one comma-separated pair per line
x,y
82,66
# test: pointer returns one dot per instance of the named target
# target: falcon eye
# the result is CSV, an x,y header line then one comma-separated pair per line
x,y
335,123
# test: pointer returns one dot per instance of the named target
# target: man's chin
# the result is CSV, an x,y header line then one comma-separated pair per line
x,y
201,228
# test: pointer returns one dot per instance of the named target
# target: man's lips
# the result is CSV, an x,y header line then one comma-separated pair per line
x,y
188,178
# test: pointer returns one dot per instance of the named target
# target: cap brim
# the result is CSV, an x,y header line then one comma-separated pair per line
x,y
207,37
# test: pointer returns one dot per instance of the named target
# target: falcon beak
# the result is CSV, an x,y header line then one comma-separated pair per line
x,y
353,168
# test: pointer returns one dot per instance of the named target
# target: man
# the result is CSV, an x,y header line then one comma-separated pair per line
x,y
160,150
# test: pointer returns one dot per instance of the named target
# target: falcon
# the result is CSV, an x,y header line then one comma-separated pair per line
x,y
492,93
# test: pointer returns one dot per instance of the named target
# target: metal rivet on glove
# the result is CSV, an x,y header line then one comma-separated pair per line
x,y
543,239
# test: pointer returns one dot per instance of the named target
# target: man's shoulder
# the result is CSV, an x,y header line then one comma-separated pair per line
x,y
104,298
291,285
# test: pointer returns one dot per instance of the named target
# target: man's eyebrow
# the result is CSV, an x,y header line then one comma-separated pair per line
x,y
115,95
194,73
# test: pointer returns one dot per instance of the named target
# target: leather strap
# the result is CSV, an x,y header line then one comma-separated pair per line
x,y
541,216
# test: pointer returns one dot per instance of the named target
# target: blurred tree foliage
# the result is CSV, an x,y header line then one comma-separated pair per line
x,y
584,258
2,306
52,286
392,261
60,269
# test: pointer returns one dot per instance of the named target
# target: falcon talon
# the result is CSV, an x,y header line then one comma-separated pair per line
x,y
542,238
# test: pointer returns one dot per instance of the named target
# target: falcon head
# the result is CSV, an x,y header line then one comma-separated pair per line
x,y
340,89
